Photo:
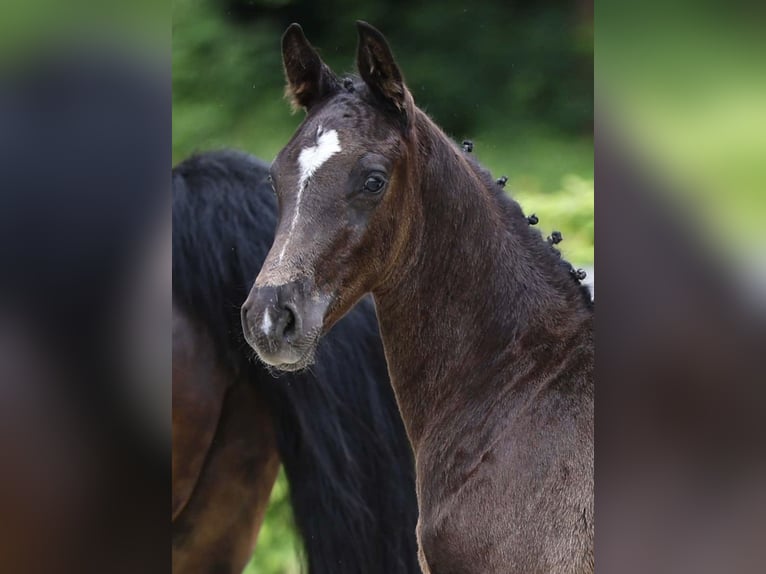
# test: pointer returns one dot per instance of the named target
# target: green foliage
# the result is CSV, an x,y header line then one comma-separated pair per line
x,y
569,210
29,28
517,80
278,550
515,77
691,104
551,177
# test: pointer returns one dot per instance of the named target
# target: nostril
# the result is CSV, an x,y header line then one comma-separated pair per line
x,y
289,318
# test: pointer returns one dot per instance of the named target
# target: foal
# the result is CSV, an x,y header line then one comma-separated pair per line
x,y
488,338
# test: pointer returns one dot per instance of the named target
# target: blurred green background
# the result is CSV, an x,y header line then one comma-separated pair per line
x,y
682,86
516,77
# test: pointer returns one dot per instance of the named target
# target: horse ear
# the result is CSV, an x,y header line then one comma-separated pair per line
x,y
309,79
378,69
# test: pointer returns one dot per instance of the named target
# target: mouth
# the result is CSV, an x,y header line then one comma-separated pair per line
x,y
296,356
302,363
293,367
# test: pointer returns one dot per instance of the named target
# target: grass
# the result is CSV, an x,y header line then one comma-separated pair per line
x,y
278,550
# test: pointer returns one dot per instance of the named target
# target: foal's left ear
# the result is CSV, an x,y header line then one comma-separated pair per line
x,y
379,71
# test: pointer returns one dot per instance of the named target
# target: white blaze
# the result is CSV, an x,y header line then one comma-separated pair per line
x,y
309,161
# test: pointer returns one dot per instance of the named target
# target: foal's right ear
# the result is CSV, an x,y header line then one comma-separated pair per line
x,y
309,79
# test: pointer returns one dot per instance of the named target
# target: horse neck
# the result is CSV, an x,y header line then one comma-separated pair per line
x,y
474,281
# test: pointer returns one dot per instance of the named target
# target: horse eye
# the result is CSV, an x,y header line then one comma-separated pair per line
x,y
271,183
374,184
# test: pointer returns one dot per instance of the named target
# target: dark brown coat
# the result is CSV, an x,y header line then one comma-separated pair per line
x,y
488,337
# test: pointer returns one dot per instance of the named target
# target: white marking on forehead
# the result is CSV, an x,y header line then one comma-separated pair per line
x,y
312,158
309,161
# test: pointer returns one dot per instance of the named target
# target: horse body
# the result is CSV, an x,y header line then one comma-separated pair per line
x,y
488,337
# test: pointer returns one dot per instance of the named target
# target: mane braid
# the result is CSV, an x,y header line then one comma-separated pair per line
x,y
563,275
339,434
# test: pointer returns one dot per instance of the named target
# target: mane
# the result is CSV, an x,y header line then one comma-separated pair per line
x,y
564,277
544,248
561,273
339,432
223,220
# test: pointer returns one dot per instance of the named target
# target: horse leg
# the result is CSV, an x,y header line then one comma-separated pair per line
x,y
218,528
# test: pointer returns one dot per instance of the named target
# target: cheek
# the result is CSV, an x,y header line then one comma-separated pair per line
x,y
334,259
396,231
381,229
348,256
349,260
361,209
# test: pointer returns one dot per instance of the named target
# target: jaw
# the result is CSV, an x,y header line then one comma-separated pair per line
x,y
346,297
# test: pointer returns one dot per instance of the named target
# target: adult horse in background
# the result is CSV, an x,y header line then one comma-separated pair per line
x,y
488,334
335,428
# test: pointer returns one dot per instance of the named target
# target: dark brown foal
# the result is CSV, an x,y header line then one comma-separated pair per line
x,y
488,336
